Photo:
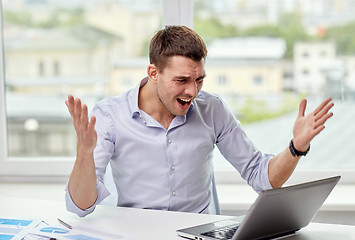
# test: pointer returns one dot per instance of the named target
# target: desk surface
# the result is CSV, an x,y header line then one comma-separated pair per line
x,y
145,224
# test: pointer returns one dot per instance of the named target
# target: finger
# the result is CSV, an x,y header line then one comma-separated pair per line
x,y
77,113
302,108
321,106
91,127
92,123
84,115
322,120
70,104
77,108
70,99
324,111
317,130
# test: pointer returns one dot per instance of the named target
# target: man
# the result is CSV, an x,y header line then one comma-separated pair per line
x,y
159,137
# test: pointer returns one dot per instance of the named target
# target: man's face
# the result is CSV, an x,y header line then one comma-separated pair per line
x,y
179,83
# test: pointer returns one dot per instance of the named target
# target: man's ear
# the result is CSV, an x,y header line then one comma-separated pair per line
x,y
152,71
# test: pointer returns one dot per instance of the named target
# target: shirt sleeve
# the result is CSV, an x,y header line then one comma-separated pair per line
x,y
102,155
239,150
71,207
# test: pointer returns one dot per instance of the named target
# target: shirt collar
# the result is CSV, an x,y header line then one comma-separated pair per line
x,y
133,98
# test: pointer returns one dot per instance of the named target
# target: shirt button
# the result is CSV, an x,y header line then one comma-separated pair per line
x,y
169,140
174,193
172,167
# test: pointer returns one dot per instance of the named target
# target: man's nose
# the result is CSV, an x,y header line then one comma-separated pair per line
x,y
191,88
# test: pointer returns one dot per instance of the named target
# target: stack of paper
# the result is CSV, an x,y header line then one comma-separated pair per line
x,y
16,229
27,229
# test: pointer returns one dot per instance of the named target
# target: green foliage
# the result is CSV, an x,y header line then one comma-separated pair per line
x,y
63,17
263,30
23,19
292,31
211,28
289,28
343,36
254,110
58,17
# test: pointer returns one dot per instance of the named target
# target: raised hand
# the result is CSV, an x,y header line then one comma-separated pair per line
x,y
82,181
309,126
85,129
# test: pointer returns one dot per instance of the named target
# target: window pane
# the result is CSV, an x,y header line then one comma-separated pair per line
x,y
56,48
274,53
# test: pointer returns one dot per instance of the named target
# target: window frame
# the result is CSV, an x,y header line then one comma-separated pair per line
x,y
3,122
16,169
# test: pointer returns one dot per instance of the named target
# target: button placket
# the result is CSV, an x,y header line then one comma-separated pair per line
x,y
171,161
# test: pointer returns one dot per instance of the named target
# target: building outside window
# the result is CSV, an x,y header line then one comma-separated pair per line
x,y
222,80
258,80
56,68
41,68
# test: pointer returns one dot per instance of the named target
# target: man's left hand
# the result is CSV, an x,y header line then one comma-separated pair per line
x,y
309,126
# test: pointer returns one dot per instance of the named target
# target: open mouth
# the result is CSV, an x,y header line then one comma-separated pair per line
x,y
184,102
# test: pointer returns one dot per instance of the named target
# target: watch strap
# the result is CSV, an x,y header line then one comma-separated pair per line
x,y
297,153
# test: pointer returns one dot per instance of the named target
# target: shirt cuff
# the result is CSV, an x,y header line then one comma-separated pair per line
x,y
262,182
102,193
267,185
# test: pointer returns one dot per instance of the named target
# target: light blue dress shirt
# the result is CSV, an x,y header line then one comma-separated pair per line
x,y
169,169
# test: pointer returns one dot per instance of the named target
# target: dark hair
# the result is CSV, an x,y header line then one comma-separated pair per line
x,y
176,41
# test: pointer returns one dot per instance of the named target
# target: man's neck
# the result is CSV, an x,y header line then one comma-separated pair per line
x,y
149,102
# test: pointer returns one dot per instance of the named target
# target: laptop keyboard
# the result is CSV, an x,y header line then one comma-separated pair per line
x,y
222,233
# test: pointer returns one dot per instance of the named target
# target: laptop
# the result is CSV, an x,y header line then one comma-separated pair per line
x,y
275,213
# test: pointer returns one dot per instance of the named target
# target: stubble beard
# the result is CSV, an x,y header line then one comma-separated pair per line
x,y
168,108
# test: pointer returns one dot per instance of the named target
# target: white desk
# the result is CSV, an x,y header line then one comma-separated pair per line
x,y
146,224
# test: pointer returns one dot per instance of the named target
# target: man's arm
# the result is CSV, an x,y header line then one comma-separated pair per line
x,y
82,181
305,129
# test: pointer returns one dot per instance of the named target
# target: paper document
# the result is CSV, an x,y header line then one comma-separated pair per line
x,y
78,232
16,229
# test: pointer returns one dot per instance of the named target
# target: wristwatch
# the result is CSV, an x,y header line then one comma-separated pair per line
x,y
297,153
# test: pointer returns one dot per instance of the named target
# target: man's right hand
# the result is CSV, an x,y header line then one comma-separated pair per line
x,y
85,130
82,181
